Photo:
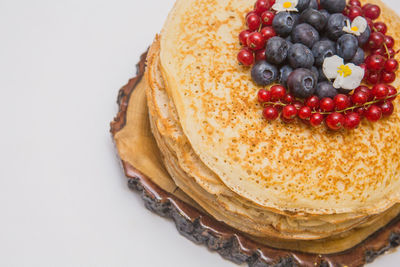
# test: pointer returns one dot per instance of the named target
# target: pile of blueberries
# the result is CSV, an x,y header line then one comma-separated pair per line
x,y
304,39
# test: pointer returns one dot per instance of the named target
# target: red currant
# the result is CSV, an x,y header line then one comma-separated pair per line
x,y
335,121
380,91
251,13
359,98
268,32
352,120
260,55
316,119
327,104
261,6
389,41
341,101
373,77
304,113
380,27
253,22
278,92
355,3
372,11
289,112
354,11
312,102
267,17
255,41
289,99
375,62
360,111
246,57
366,90
297,104
375,40
391,65
387,108
373,113
270,113
379,51
370,23
243,37
392,92
388,77
264,96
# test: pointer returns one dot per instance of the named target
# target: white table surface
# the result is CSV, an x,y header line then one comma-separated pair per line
x,y
63,196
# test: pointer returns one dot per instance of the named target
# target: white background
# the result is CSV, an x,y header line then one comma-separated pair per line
x,y
63,197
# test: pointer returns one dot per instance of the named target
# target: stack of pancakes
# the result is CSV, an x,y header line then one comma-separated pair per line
x,y
286,185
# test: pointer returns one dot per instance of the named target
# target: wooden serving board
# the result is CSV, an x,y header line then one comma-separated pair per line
x,y
147,175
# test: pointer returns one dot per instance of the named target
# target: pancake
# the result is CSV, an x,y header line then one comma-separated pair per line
x,y
283,168
225,205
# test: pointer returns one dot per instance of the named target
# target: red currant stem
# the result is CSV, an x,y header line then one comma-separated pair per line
x,y
385,46
338,111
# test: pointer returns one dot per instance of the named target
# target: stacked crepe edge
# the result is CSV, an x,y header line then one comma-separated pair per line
x,y
288,230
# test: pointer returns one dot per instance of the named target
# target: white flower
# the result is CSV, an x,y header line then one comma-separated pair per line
x,y
347,76
357,27
285,5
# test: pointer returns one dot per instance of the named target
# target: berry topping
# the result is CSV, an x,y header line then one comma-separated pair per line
x,y
255,41
300,56
373,113
327,104
267,17
270,113
346,46
243,37
304,113
246,57
264,73
277,50
289,112
372,11
387,108
268,32
333,6
335,121
264,96
351,121
316,119
380,91
312,102
278,92
302,82
284,22
253,22
325,89
342,101
306,34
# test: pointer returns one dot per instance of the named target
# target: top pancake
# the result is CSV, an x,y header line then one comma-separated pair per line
x,y
289,167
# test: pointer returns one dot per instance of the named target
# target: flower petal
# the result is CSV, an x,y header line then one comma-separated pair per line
x,y
354,80
331,65
278,7
360,23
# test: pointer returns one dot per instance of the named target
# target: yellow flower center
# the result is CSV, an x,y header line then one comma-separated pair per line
x,y
354,29
287,5
344,70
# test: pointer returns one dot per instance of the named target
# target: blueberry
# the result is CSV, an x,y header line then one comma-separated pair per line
x,y
302,82
321,75
277,50
302,5
358,58
363,38
288,39
264,73
322,50
325,89
300,56
346,46
334,27
314,18
284,73
325,13
313,4
333,6
315,71
306,34
284,22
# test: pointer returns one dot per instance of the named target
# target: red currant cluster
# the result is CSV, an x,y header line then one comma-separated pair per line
x,y
343,111
259,31
380,66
